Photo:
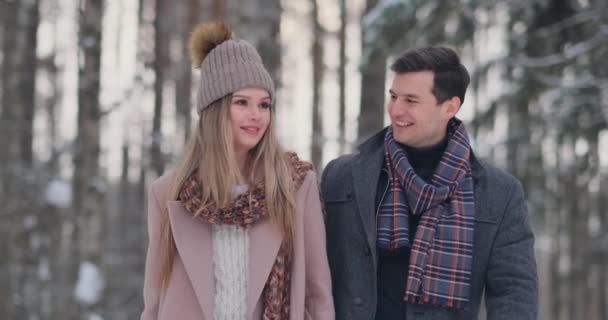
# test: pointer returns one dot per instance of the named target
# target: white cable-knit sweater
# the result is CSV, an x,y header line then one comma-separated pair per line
x,y
230,265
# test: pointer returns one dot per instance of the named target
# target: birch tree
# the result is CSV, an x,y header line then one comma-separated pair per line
x,y
89,185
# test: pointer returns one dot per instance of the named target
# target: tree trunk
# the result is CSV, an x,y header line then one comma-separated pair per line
x,y
259,22
188,17
317,85
603,261
557,232
342,75
218,8
19,64
27,86
572,228
373,77
32,246
121,254
88,184
50,104
132,244
19,79
4,11
161,57
577,233
145,52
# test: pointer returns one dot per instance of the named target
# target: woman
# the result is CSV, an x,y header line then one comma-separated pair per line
x,y
236,231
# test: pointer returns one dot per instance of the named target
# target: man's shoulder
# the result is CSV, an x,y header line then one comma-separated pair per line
x,y
340,163
337,169
496,183
497,176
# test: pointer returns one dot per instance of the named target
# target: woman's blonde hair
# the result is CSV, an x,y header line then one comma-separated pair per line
x,y
210,154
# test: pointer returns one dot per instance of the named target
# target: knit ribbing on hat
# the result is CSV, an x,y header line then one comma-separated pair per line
x,y
232,65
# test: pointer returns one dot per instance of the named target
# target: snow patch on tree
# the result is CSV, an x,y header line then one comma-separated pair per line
x,y
94,316
59,193
44,271
99,184
29,222
377,14
90,284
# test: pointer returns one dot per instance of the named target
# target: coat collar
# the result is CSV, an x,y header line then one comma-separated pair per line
x,y
193,240
366,169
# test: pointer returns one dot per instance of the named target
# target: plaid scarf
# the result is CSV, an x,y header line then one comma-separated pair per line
x,y
245,210
442,251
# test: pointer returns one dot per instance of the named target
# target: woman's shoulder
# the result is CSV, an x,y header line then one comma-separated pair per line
x,y
161,186
302,171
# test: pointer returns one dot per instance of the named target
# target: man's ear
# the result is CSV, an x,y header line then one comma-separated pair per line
x,y
451,107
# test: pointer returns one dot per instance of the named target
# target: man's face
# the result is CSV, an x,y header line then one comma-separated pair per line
x,y
416,117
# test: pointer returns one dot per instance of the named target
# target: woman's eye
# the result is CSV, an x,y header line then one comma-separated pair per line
x,y
241,102
265,105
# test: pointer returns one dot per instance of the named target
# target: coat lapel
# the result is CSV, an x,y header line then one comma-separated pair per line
x,y
264,243
366,173
193,242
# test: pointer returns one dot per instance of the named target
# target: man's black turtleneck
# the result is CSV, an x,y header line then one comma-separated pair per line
x,y
392,268
425,160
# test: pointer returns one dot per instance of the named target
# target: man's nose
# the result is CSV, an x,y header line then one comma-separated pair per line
x,y
397,109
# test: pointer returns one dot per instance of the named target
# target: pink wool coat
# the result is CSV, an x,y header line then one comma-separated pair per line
x,y
190,293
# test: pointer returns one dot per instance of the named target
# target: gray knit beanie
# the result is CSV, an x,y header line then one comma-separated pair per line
x,y
226,64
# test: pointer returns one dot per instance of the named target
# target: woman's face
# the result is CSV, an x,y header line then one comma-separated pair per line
x,y
249,118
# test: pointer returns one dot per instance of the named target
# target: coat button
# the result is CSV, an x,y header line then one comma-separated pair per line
x,y
358,301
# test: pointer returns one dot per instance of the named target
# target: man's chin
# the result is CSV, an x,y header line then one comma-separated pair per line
x,y
401,139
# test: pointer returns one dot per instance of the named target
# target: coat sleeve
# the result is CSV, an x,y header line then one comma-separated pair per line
x,y
511,279
152,287
319,301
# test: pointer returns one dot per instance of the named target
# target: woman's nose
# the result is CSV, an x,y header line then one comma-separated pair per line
x,y
254,113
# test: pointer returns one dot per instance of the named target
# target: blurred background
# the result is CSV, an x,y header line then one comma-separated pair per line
x,y
96,102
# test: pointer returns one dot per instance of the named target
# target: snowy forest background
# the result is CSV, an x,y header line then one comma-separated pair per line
x,y
96,103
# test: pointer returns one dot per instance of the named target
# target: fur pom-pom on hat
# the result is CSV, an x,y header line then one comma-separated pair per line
x,y
226,64
205,37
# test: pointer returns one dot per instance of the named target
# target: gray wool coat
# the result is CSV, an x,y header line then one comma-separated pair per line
x,y
503,261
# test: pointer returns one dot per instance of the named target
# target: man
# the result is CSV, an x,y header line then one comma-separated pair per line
x,y
417,226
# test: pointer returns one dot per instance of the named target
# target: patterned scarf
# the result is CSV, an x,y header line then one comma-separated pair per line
x,y
442,251
245,210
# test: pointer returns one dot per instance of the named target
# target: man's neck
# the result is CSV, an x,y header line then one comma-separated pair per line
x,y
424,160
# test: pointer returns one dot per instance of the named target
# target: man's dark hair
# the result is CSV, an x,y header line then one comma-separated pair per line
x,y
450,79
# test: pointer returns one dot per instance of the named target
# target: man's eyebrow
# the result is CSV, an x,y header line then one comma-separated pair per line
x,y
408,95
